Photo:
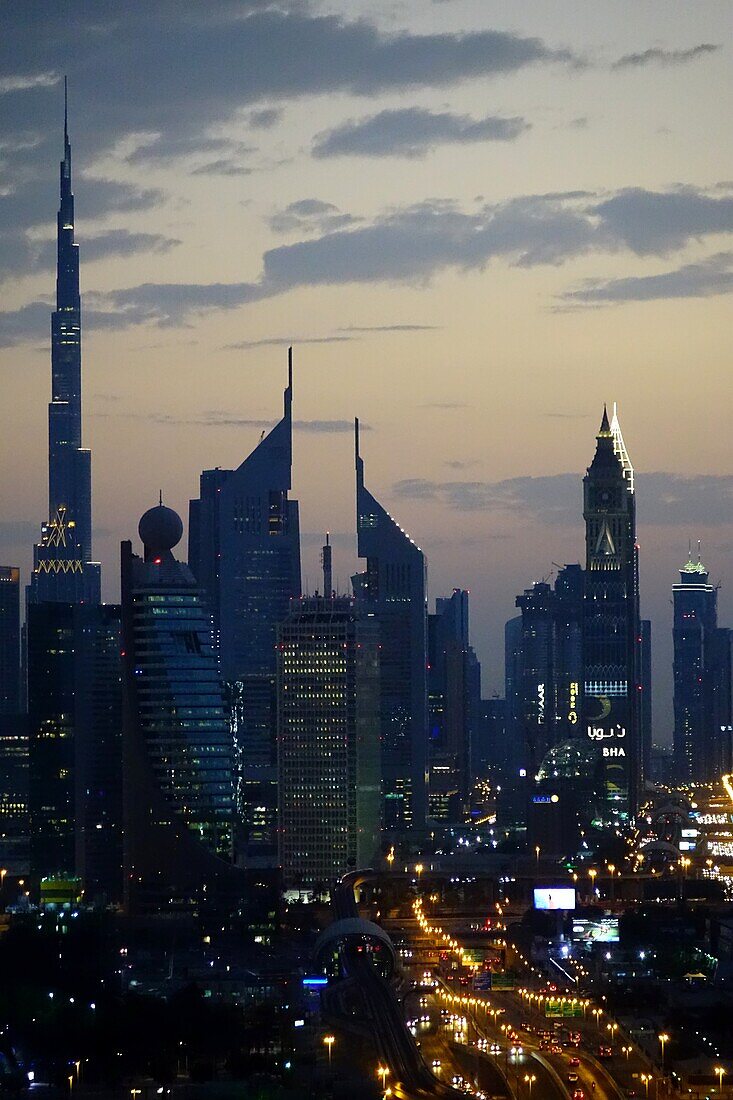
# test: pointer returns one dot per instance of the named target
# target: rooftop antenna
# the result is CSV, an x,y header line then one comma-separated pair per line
x,y
66,109
326,562
160,498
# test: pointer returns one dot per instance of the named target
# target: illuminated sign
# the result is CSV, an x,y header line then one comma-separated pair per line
x,y
599,733
543,798
541,703
573,705
554,897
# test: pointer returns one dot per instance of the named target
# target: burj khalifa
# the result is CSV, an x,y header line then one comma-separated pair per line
x,y
63,571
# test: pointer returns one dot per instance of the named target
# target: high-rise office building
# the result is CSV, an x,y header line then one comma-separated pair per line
x,y
98,750
454,699
515,756
51,729
10,696
13,732
328,741
177,751
392,588
244,550
549,669
646,695
701,677
611,624
74,752
63,571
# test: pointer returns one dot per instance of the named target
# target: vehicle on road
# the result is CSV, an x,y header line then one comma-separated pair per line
x,y
605,1053
574,1061
578,1094
572,1078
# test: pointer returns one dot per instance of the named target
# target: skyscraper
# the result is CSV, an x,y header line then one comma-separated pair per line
x,y
611,626
9,640
454,700
550,670
701,677
63,571
177,752
13,731
244,550
51,729
328,741
393,589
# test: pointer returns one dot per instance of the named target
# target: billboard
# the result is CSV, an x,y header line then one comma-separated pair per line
x,y
554,897
600,930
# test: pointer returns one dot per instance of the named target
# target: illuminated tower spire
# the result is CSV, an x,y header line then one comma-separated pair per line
x,y
63,570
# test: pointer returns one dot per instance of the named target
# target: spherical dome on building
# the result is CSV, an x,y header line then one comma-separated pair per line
x,y
569,760
160,529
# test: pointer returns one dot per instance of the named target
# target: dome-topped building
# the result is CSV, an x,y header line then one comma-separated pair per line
x,y
160,529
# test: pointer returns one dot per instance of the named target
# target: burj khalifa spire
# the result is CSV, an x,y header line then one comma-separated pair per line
x,y
63,571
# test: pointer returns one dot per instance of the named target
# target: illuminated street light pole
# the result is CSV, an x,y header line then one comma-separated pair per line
x,y
720,1072
663,1039
329,1040
646,1078
529,1079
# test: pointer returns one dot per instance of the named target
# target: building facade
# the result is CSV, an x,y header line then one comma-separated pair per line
x,y
177,750
244,550
392,588
611,622
702,678
328,741
454,704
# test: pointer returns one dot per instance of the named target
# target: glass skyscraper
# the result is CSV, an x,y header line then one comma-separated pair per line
x,y
244,550
63,571
177,750
393,589
702,677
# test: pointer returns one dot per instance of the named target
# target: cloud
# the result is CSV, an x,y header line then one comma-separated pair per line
x,y
412,132
658,56
389,328
214,59
663,499
222,167
23,81
656,222
414,244
286,341
705,279
265,118
310,216
445,405
226,420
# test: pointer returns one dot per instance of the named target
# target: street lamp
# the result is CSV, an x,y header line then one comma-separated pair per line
x,y
419,870
537,853
597,1012
646,1078
390,857
720,1071
613,1028
529,1079
626,1051
663,1039
329,1040
383,1072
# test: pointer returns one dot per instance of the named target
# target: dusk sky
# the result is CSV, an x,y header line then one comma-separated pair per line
x,y
476,222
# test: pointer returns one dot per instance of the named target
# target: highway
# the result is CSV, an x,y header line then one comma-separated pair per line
x,y
409,1077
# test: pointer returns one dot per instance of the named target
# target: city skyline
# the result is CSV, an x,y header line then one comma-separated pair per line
x,y
457,464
